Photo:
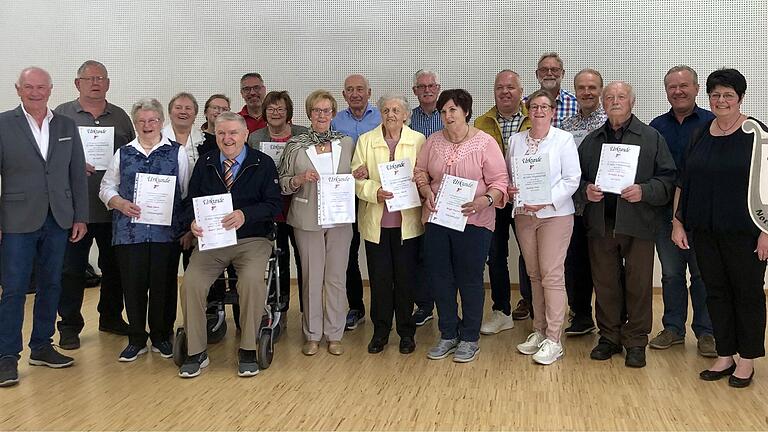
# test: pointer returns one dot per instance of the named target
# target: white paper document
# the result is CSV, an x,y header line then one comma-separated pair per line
x,y
579,135
209,211
452,194
273,150
98,145
531,177
336,199
396,177
618,167
154,193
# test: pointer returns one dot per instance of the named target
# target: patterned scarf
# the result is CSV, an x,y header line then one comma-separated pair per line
x,y
303,142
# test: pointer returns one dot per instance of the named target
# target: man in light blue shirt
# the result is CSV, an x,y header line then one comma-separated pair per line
x,y
354,121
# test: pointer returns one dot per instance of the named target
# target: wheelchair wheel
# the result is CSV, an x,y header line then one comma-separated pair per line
x,y
215,331
266,349
180,347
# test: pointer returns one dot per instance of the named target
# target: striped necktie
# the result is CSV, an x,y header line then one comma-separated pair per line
x,y
229,179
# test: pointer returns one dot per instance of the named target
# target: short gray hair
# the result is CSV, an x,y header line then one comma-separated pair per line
x,y
184,95
365,80
589,71
399,97
147,104
682,68
92,63
627,85
231,116
553,55
423,72
30,69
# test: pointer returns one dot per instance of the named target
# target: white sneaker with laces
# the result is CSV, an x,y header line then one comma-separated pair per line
x,y
549,352
498,322
531,344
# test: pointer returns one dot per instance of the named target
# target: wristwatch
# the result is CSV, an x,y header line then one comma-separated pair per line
x,y
490,199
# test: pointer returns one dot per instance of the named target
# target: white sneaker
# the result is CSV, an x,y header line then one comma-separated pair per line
x,y
549,352
497,322
531,344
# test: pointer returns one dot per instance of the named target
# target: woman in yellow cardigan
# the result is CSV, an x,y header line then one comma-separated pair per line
x,y
391,238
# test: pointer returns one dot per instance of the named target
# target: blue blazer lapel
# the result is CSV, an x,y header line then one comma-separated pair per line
x,y
21,121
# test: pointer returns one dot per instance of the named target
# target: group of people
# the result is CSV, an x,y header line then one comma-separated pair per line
x,y
55,204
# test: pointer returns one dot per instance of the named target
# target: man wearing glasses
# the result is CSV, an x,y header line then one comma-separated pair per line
x,y
252,90
550,73
425,118
97,120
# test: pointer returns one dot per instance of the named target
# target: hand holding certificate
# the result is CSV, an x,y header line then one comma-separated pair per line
x,y
336,199
209,212
98,145
618,167
531,177
453,193
154,194
396,178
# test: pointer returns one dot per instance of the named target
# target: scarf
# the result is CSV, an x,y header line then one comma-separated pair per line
x,y
303,142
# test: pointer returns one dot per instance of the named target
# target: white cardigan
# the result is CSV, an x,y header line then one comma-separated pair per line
x,y
564,168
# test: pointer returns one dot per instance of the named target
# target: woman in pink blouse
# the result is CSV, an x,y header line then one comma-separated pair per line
x,y
455,259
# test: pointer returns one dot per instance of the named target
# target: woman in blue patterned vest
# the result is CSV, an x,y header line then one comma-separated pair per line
x,y
146,252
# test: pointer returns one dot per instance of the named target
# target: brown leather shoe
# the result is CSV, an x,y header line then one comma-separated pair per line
x,y
310,348
335,348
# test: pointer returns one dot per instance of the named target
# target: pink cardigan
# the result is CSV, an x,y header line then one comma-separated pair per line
x,y
479,158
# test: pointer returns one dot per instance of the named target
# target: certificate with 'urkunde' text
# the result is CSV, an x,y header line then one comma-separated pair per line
x,y
273,150
209,211
397,178
452,194
154,194
618,167
531,177
98,145
336,199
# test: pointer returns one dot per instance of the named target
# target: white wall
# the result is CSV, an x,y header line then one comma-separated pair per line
x,y
157,48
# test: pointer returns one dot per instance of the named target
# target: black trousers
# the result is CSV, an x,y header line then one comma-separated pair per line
x,y
354,278
392,271
284,236
73,281
578,273
734,278
151,289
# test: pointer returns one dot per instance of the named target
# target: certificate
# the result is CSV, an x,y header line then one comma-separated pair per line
x,y
273,150
396,177
452,194
578,135
154,193
209,211
531,176
336,199
98,145
618,166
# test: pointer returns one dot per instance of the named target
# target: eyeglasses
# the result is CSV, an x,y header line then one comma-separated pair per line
x,y
252,89
318,111
729,97
149,122
94,79
217,108
546,70
276,110
422,87
539,107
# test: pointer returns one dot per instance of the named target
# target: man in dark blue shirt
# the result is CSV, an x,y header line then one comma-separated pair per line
x,y
677,126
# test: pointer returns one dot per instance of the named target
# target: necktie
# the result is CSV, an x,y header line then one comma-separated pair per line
x,y
229,179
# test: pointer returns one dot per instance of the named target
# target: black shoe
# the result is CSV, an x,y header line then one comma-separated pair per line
x,y
377,345
119,328
407,345
604,350
247,365
48,356
421,316
580,327
193,365
9,373
635,357
737,382
165,348
710,375
69,340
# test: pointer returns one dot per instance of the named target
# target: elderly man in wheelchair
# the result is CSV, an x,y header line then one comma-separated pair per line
x,y
251,178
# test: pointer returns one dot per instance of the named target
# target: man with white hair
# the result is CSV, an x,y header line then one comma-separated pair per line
x,y
549,74
425,118
623,227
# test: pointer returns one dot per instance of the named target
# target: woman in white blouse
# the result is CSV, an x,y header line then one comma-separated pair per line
x,y
544,226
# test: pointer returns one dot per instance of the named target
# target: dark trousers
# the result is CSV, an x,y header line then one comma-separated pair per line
x,y
150,288
392,274
635,296
284,236
354,278
455,262
578,273
526,291
422,296
498,266
45,247
73,281
734,278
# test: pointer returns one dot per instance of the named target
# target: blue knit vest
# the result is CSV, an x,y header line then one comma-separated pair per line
x,y
164,160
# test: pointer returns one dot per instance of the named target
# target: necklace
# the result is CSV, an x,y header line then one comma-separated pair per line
x,y
459,141
322,147
725,131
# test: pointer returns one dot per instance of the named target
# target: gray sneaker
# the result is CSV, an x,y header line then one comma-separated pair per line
x,y
665,339
9,372
466,352
443,349
706,346
193,365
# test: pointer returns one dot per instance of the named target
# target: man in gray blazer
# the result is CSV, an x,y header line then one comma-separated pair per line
x,y
44,196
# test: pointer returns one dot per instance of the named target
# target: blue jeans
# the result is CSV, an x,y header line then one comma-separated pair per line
x,y
455,261
675,293
46,247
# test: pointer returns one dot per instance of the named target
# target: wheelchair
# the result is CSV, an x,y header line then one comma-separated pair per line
x,y
271,323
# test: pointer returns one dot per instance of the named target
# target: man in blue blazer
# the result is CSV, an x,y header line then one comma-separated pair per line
x,y
44,201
